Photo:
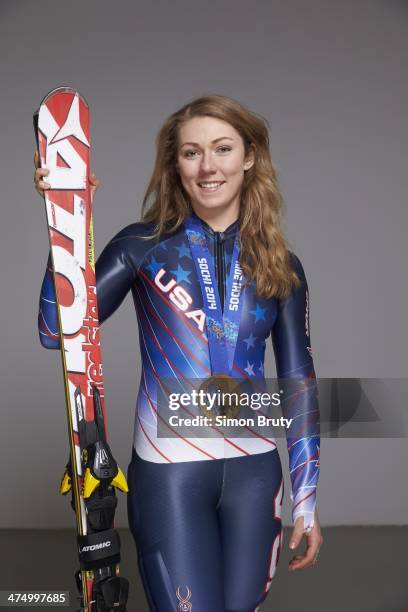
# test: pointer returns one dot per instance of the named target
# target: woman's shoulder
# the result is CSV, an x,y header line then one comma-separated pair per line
x,y
129,244
134,231
296,264
134,242
143,231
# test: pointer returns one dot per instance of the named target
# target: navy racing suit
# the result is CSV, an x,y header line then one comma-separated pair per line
x,y
205,512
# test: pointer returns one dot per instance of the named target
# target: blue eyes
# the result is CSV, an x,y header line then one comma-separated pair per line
x,y
191,153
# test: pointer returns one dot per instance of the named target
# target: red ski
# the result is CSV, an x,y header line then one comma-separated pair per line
x,y
63,140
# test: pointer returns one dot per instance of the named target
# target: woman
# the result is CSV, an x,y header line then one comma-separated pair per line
x,y
206,512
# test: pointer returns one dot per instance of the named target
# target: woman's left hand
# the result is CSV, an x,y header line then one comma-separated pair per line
x,y
314,540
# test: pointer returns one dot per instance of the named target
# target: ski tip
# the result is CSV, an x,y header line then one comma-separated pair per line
x,y
59,90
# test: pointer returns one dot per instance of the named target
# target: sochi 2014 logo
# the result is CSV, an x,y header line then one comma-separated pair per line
x,y
185,605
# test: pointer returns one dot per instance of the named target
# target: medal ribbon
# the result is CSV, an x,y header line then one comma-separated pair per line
x,y
222,328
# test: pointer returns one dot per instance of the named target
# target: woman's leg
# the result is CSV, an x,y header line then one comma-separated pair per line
x,y
173,518
251,530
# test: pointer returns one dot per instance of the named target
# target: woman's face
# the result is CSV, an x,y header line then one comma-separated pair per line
x,y
211,163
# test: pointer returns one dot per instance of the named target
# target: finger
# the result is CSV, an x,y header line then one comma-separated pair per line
x,y
303,561
37,161
43,185
94,181
297,533
298,564
41,172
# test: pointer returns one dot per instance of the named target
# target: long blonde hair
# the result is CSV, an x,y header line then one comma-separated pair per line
x,y
264,252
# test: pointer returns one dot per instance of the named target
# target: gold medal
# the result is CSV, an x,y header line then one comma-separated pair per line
x,y
226,390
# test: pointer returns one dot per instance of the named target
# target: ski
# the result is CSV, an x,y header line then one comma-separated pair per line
x,y
62,130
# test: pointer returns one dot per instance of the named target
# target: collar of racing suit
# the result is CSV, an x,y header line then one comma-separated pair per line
x,y
231,230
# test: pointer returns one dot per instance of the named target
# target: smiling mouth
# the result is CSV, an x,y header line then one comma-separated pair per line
x,y
210,186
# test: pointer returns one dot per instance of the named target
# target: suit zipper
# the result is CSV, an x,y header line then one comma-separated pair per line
x,y
219,266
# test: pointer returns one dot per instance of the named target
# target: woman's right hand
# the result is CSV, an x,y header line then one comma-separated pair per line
x,y
39,174
41,185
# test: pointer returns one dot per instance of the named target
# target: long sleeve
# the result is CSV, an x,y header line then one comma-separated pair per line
x,y
115,273
295,370
47,312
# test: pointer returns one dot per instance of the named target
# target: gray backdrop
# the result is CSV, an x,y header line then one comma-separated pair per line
x,y
331,79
